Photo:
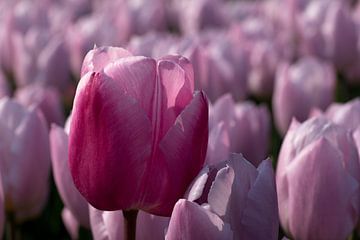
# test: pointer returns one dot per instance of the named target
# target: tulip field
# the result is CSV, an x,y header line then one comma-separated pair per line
x,y
180,119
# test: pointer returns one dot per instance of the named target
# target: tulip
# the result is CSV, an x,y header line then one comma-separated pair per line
x,y
247,127
24,163
75,212
317,179
47,99
307,84
110,224
347,115
143,127
229,200
2,208
325,28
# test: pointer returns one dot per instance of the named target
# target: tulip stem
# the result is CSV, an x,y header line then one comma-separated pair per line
x,y
130,224
10,227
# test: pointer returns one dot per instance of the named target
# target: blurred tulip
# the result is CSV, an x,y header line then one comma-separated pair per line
x,y
300,87
197,15
247,126
109,225
24,163
230,200
317,179
326,27
149,118
2,208
46,99
76,211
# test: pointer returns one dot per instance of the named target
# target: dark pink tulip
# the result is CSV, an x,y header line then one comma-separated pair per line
x,y
46,99
143,127
300,87
247,127
109,225
317,179
76,211
24,159
230,200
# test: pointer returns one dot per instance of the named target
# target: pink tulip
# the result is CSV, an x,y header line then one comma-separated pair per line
x,y
143,126
347,115
109,225
46,99
197,15
76,211
326,27
230,200
317,179
300,87
25,159
247,127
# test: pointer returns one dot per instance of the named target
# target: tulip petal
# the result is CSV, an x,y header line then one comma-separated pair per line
x,y
319,162
189,131
71,197
260,218
191,221
70,222
149,227
106,225
117,138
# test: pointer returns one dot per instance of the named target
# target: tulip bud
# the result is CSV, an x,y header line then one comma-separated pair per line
x,y
24,163
346,115
143,127
247,127
317,179
230,200
307,84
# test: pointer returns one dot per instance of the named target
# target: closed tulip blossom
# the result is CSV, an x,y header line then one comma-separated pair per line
x,y
347,115
24,163
247,127
75,212
109,225
317,179
229,200
138,133
300,87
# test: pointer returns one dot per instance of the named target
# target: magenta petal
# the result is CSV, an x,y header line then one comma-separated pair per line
x,y
191,221
331,199
181,145
96,59
73,200
115,131
136,77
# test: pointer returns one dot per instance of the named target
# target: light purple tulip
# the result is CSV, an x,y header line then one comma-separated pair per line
x,y
76,211
347,115
326,27
123,93
197,15
307,84
46,99
24,163
247,126
230,200
317,179
109,225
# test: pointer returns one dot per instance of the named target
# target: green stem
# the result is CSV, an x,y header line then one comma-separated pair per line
x,y
130,224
